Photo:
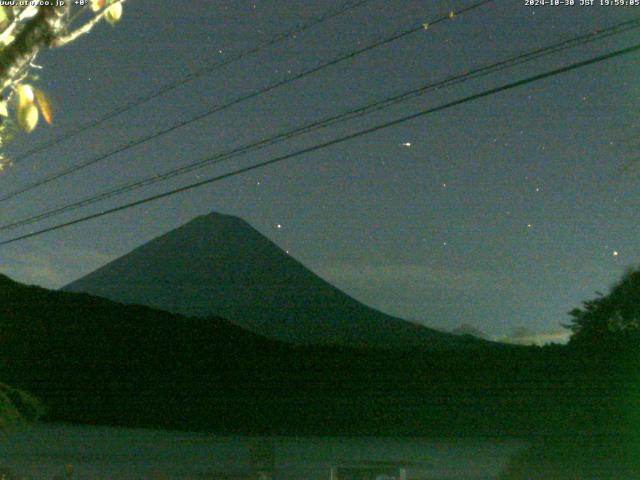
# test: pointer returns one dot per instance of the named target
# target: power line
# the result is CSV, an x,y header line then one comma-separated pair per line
x,y
164,89
422,113
236,101
331,120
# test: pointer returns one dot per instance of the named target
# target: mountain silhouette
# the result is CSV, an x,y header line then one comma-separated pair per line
x,y
467,329
92,360
95,361
219,265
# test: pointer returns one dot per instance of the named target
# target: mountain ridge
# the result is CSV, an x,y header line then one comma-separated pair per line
x,y
91,360
219,265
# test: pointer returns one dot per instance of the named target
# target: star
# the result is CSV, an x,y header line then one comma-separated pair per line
x,y
278,226
616,253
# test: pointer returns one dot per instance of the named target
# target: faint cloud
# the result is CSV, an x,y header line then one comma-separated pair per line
x,y
446,298
524,336
363,275
51,268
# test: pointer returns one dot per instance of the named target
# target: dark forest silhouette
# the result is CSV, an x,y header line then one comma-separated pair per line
x,y
94,361
601,439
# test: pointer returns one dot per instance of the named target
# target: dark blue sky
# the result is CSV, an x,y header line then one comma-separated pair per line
x,y
503,213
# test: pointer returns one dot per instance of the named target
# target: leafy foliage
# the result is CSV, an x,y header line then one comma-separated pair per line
x,y
610,321
26,28
17,406
602,435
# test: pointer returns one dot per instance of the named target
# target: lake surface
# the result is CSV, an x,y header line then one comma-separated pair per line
x,y
41,451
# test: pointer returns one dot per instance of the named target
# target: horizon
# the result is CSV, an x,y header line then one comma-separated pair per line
x,y
506,212
353,239
519,336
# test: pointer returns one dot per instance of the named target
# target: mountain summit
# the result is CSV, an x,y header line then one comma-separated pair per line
x,y
219,265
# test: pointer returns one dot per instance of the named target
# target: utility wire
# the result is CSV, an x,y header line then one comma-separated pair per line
x,y
331,120
164,89
398,121
215,109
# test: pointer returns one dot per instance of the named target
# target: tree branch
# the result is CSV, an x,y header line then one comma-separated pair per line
x,y
84,29
37,32
24,14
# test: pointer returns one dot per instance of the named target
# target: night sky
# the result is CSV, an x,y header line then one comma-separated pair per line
x,y
501,213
